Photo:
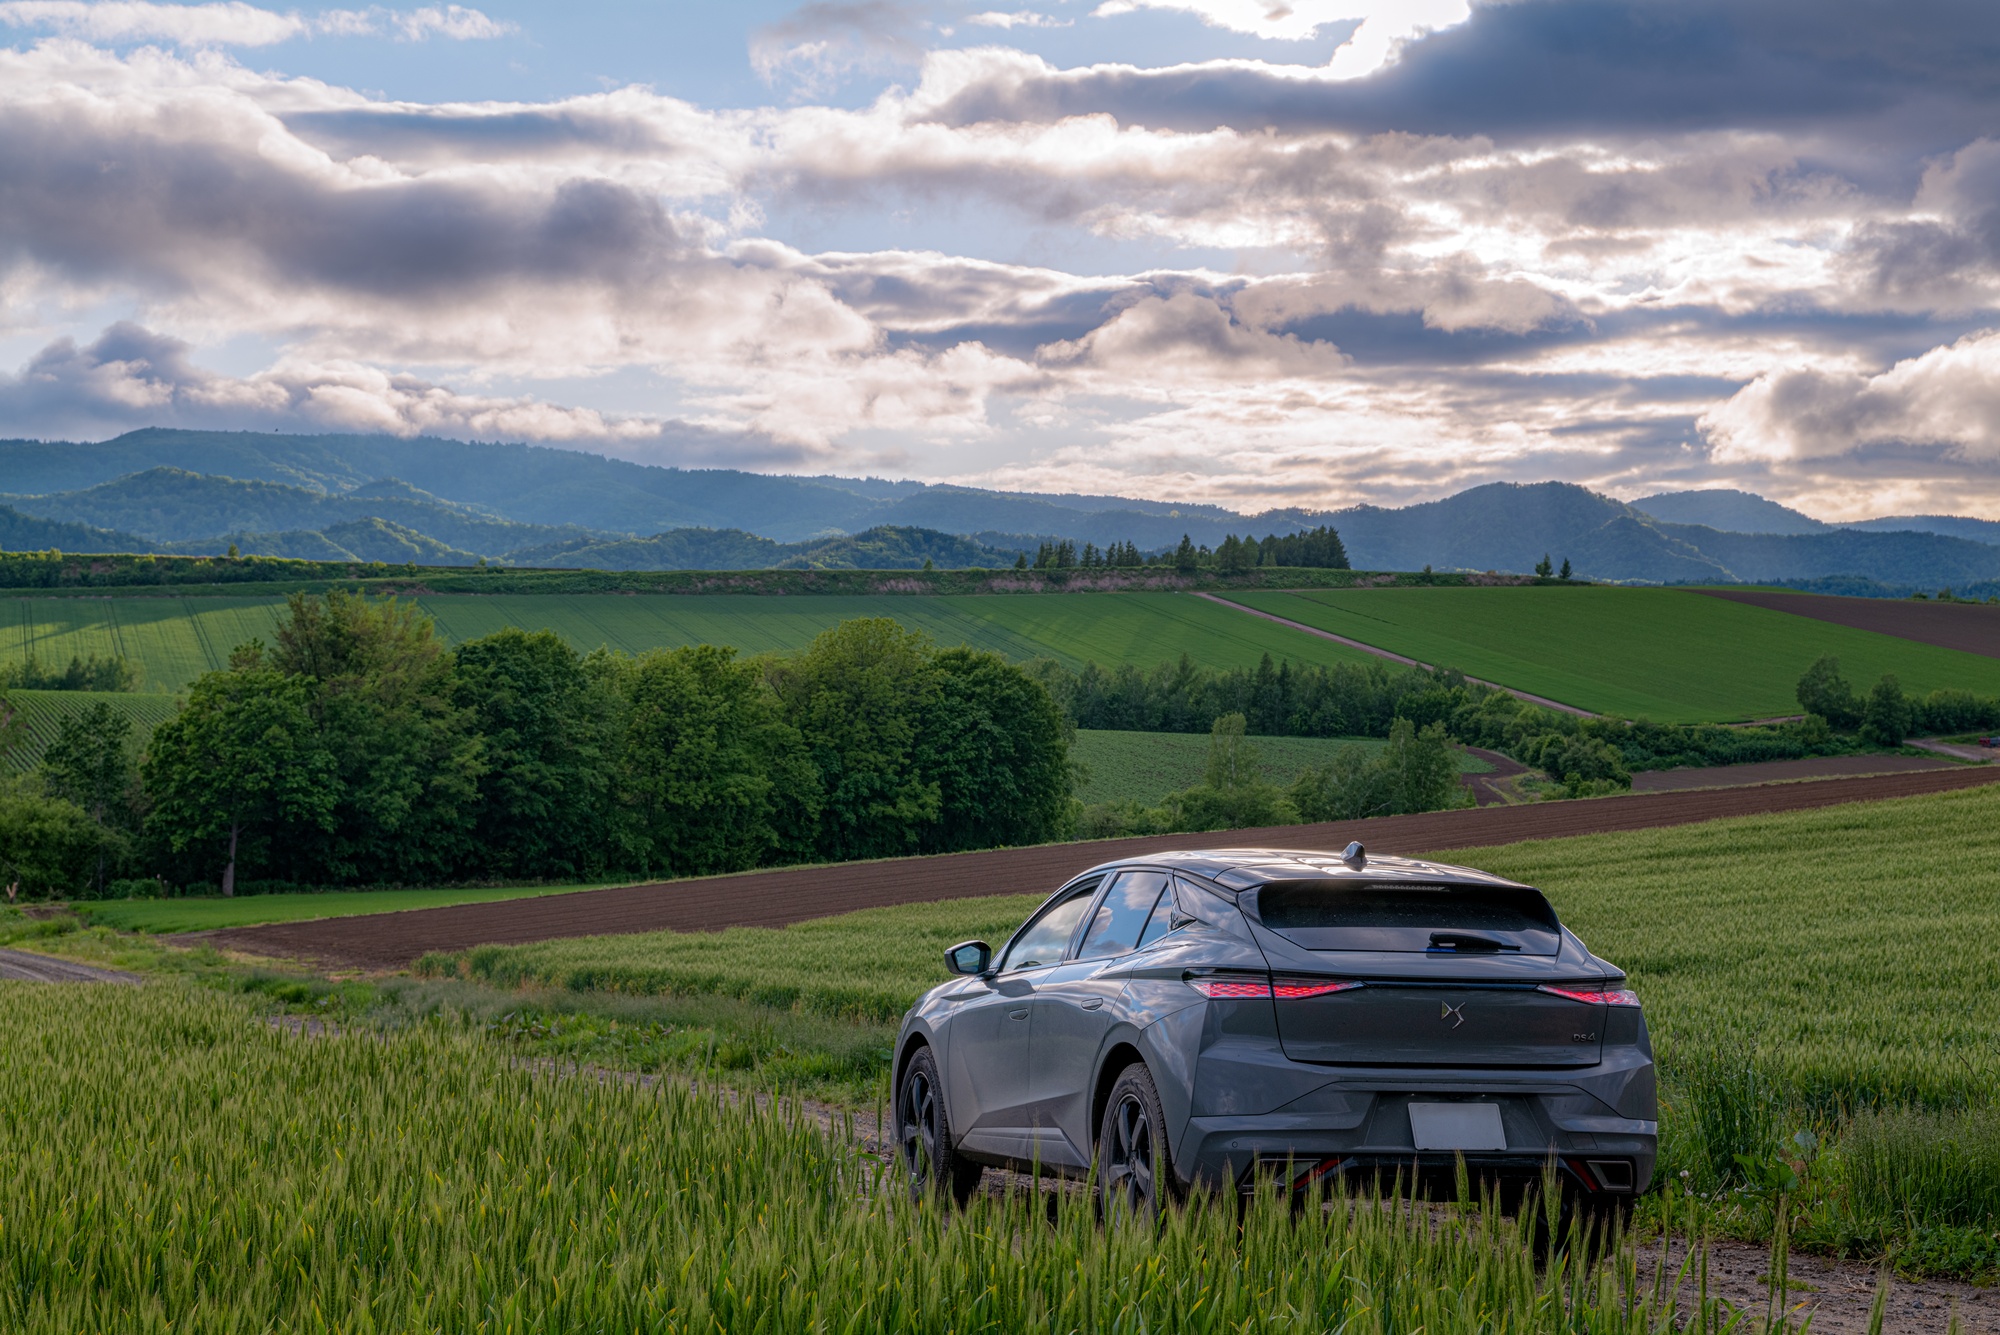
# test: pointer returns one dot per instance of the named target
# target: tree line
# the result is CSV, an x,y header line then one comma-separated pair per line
x,y
1417,771
355,749
1585,755
1320,548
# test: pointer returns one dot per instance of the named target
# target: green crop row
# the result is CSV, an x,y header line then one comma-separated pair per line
x,y
173,640
171,1162
1663,653
1671,655
42,713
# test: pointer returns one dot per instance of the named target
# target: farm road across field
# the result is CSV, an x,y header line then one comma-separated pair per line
x,y
24,966
1974,629
795,894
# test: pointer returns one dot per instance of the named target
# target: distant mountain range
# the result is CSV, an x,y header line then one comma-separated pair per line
x,y
442,502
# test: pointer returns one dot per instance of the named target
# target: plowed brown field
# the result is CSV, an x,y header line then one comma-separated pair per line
x,y
1975,629
773,898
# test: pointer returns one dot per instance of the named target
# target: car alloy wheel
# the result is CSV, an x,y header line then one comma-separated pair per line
x,y
923,1136
1135,1176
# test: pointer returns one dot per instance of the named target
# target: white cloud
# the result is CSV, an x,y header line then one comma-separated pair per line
x,y
1417,311
455,22
1019,18
228,24
1385,24
233,23
1948,399
1389,24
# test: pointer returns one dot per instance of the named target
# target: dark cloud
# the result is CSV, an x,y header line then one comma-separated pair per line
x,y
1903,74
168,205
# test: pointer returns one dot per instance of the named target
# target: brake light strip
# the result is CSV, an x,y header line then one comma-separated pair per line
x,y
1620,997
1247,989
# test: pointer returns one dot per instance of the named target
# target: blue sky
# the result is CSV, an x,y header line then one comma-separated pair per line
x,y
1242,251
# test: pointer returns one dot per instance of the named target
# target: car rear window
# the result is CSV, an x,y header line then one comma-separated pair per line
x,y
1360,915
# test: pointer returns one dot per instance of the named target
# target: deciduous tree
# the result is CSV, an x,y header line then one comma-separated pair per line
x,y
242,760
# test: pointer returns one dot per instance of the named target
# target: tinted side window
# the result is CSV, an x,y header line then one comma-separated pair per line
x,y
1120,921
1045,939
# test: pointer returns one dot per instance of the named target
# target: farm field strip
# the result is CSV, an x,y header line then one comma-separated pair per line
x,y
1667,654
43,712
1146,766
794,894
1974,629
173,640
260,1178
170,640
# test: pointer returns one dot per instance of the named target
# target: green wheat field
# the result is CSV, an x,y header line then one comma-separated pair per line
x,y
1671,655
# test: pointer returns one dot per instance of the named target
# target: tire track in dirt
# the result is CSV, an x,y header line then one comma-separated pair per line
x,y
794,894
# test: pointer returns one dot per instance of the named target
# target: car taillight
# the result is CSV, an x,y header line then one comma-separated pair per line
x,y
1243,989
1621,997
1293,991
1234,989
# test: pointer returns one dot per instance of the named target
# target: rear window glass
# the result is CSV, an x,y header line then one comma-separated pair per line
x,y
1359,915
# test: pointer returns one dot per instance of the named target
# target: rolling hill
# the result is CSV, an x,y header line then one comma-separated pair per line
x,y
448,502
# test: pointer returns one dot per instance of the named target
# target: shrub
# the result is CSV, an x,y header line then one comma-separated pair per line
x,y
1823,691
1886,720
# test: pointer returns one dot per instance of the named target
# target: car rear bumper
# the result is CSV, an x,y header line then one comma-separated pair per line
x,y
1347,1130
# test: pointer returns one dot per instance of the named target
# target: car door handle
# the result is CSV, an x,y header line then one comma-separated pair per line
x,y
1093,1003
1020,1014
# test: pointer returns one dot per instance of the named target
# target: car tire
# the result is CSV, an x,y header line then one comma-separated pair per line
x,y
1135,1172
923,1136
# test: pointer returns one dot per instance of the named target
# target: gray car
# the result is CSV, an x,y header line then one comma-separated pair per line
x,y
1216,1018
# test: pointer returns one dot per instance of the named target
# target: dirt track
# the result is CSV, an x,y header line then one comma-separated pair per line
x,y
1975,629
25,966
773,898
1783,771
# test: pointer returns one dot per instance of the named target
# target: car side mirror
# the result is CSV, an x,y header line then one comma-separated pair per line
x,y
969,957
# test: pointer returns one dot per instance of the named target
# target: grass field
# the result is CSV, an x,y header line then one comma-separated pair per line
x,y
45,710
1145,766
209,914
173,640
174,1163
1833,941
1667,654
1828,948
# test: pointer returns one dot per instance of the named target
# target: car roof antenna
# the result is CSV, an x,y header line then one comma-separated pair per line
x,y
1354,855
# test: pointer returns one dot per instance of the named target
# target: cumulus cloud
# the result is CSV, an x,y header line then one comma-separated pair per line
x,y
1948,400
1422,291
233,23
227,24
1910,76
1018,18
132,376
826,40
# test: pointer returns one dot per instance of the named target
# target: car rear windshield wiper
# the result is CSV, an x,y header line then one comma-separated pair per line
x,y
1467,941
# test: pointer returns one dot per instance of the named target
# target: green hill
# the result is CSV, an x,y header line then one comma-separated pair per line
x,y
202,513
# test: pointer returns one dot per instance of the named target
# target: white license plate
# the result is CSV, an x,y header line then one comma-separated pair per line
x,y
1457,1126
